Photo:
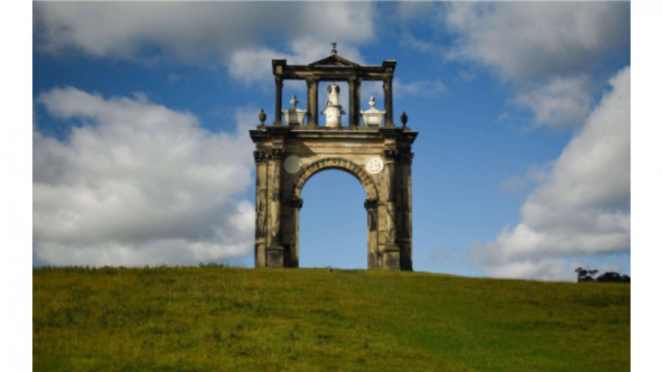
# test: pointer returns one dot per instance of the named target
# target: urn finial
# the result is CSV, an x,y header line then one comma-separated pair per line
x,y
262,117
294,101
333,51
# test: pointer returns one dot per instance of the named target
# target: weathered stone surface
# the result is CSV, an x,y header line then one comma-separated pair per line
x,y
388,193
379,157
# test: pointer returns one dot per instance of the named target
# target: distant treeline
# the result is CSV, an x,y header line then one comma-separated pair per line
x,y
607,277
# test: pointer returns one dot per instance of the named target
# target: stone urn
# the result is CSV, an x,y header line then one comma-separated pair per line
x,y
294,116
372,117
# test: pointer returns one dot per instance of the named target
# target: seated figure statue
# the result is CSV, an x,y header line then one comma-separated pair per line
x,y
333,109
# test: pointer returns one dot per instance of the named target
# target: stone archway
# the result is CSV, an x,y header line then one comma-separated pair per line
x,y
340,164
371,192
378,155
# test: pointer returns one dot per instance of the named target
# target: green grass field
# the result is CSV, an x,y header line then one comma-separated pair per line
x,y
228,319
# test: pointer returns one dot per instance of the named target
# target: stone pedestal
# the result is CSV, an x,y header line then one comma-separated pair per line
x,y
333,116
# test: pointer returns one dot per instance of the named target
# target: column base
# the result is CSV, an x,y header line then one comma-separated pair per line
x,y
274,256
391,257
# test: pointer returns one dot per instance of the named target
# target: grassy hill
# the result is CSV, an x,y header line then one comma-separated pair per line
x,y
224,319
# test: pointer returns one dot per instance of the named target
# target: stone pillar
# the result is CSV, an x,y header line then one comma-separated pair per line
x,y
352,104
405,208
371,206
295,203
391,251
312,83
275,247
262,207
278,80
388,102
357,101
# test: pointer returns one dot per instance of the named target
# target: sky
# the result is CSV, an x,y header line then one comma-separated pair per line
x,y
141,112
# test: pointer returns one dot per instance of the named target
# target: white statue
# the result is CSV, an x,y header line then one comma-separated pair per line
x,y
333,109
332,94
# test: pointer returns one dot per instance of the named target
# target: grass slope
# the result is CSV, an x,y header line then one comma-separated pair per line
x,y
221,319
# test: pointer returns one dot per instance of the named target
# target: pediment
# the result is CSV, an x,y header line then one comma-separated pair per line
x,y
334,60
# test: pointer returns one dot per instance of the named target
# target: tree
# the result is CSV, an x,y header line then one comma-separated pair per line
x,y
613,277
586,275
607,277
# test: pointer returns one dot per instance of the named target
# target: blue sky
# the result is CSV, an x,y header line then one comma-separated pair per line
x,y
522,165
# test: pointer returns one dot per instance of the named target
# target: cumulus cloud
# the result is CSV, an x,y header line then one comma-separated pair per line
x,y
137,183
401,89
535,175
559,102
537,39
581,208
420,88
231,33
546,50
251,65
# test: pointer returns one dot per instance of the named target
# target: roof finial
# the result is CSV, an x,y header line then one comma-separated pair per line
x,y
333,47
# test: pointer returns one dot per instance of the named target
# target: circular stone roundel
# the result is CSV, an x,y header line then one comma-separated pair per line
x,y
374,165
292,164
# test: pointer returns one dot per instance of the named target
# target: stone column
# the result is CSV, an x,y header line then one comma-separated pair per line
x,y
388,102
275,248
358,101
261,158
391,251
278,80
371,206
295,203
352,104
312,83
405,208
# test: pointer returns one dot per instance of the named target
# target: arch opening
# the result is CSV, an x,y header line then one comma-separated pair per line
x,y
333,221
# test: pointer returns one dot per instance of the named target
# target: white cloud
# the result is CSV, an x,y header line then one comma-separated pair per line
x,y
547,50
538,38
253,65
427,47
138,183
195,32
418,88
559,103
582,207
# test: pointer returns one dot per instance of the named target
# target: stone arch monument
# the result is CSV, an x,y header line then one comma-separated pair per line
x,y
378,154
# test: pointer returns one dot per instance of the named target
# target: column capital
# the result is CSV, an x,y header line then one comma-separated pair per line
x,y
406,157
277,154
312,80
261,156
278,79
390,154
370,203
295,202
